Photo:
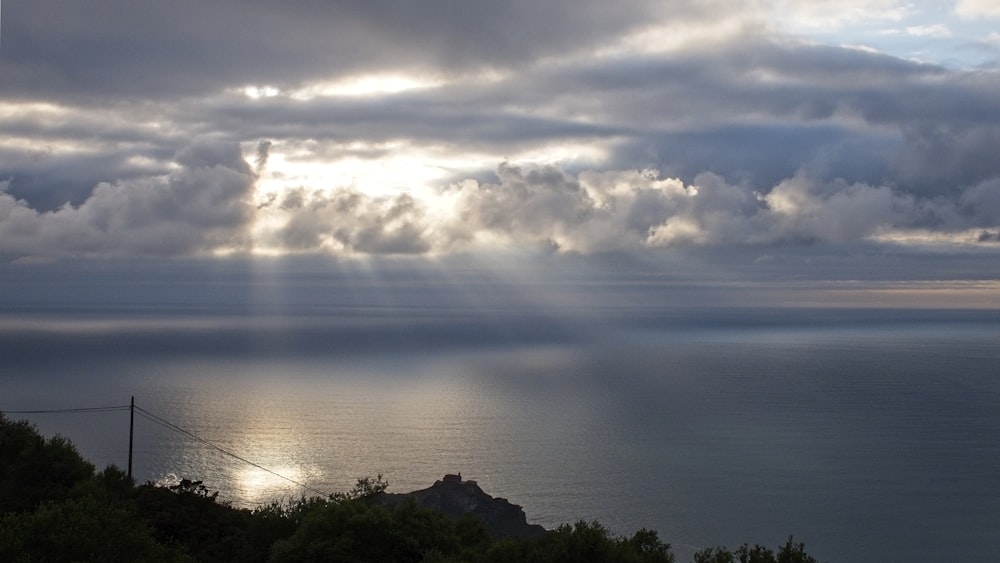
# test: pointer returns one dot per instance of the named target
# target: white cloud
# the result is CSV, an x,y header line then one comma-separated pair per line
x,y
795,15
936,31
977,8
803,208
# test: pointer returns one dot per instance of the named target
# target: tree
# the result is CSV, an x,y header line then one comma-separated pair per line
x,y
190,517
365,487
791,552
714,555
583,541
33,469
794,553
82,529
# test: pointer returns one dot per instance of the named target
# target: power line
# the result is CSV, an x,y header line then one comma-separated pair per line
x,y
169,425
70,411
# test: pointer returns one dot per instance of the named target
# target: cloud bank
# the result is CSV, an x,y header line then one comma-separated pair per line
x,y
383,128
206,205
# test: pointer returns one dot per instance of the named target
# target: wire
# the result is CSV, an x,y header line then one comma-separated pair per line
x,y
167,424
64,411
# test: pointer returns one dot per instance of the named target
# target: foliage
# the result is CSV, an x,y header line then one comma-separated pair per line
x,y
791,552
584,541
365,487
82,529
187,486
714,555
190,518
355,530
54,507
33,469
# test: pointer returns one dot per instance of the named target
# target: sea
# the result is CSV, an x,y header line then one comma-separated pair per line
x,y
871,435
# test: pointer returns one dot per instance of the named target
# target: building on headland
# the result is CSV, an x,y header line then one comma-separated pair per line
x,y
457,478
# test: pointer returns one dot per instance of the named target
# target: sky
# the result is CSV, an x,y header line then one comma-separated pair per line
x,y
793,139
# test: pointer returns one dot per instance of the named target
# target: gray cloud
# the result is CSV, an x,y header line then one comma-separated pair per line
x,y
190,47
943,157
347,221
200,207
626,210
748,139
755,109
47,178
263,153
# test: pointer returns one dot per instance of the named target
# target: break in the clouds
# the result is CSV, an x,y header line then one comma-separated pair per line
x,y
377,128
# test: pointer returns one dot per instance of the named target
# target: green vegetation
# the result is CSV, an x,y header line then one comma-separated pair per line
x,y
54,507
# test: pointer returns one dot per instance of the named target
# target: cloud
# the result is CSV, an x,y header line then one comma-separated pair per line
x,y
937,31
977,8
980,204
803,209
207,205
757,108
263,153
613,138
832,14
191,47
346,222
630,210
199,207
940,157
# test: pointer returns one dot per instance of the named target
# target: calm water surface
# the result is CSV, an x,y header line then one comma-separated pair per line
x,y
870,439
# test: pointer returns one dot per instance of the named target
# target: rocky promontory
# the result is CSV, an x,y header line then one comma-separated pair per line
x,y
457,498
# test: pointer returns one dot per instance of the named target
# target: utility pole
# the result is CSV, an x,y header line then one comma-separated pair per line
x,y
131,433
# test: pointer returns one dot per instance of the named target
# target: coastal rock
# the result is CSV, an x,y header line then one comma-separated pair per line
x,y
456,498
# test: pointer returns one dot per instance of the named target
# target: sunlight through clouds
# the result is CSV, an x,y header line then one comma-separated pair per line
x,y
345,225
364,85
705,125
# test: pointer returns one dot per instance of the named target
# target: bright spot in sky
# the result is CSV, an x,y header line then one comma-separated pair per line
x,y
373,168
256,92
365,85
